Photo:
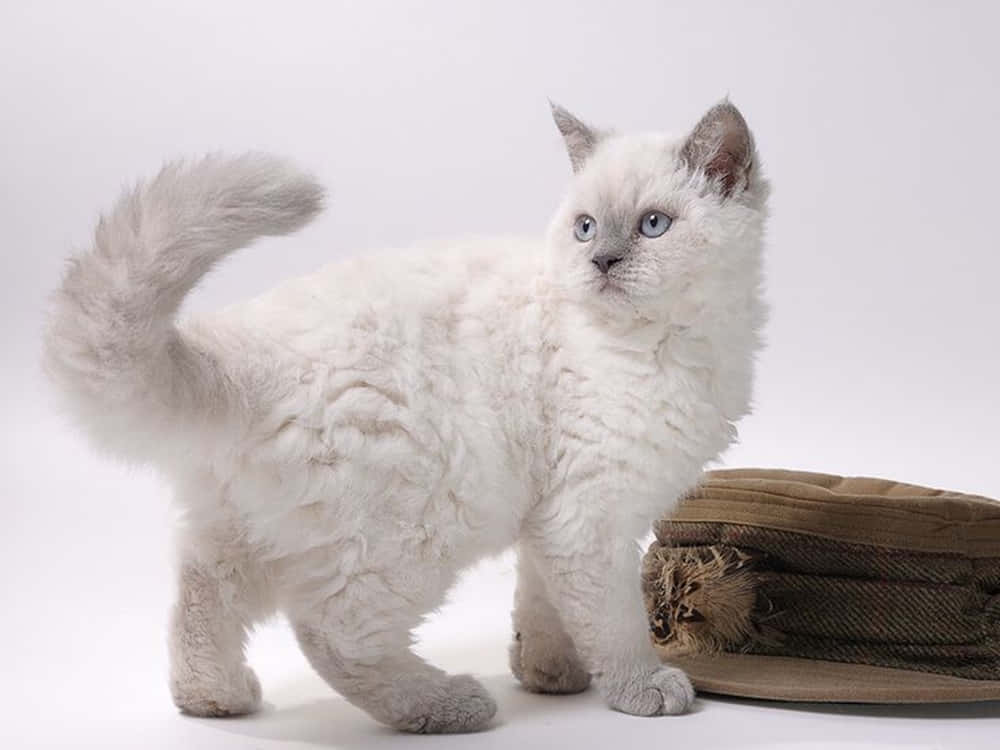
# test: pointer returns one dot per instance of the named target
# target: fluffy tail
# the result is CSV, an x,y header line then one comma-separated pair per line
x,y
111,346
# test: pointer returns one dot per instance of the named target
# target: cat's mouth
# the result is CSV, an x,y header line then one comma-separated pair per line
x,y
609,286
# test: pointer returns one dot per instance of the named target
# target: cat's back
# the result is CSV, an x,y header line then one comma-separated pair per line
x,y
405,295
418,344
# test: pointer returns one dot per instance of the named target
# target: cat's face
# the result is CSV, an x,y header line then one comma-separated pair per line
x,y
650,221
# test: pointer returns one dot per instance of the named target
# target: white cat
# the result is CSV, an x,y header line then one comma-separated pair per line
x,y
344,445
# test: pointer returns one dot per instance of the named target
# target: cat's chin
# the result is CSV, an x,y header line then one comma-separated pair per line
x,y
614,302
616,297
609,297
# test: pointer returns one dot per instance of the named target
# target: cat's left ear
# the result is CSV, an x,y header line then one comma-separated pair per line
x,y
721,145
581,139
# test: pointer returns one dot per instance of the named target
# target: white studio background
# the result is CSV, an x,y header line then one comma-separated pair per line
x,y
877,123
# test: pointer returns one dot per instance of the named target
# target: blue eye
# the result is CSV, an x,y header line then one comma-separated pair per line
x,y
655,223
585,228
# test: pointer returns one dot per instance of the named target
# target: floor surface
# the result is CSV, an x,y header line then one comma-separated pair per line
x,y
86,588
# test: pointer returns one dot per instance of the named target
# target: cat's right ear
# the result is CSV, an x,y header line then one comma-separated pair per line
x,y
581,139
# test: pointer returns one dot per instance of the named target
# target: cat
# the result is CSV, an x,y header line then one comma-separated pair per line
x,y
345,444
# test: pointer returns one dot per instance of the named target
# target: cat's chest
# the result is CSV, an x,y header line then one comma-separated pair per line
x,y
652,404
641,423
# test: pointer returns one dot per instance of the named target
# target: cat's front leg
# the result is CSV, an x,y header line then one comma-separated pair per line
x,y
542,657
590,567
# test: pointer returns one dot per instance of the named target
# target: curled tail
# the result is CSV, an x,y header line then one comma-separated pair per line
x,y
111,346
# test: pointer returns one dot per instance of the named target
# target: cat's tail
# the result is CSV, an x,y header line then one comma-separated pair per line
x,y
111,346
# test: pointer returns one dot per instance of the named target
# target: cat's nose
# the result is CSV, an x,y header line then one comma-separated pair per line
x,y
604,262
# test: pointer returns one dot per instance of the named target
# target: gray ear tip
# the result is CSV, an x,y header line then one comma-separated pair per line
x,y
559,112
727,108
725,104
566,121
580,138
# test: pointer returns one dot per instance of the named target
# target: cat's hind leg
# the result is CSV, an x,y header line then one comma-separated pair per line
x,y
219,598
359,641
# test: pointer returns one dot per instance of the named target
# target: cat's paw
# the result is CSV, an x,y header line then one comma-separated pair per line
x,y
544,667
657,691
217,694
446,704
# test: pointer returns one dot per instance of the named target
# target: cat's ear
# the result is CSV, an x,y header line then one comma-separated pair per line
x,y
722,147
581,139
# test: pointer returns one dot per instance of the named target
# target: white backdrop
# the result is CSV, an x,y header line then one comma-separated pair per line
x,y
877,123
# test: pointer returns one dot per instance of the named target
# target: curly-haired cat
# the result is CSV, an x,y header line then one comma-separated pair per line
x,y
344,445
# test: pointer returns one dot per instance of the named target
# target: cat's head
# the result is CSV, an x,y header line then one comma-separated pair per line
x,y
654,223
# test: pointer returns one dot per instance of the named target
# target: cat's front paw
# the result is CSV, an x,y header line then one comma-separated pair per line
x,y
545,665
656,691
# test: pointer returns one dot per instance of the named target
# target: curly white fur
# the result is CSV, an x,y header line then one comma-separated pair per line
x,y
346,443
